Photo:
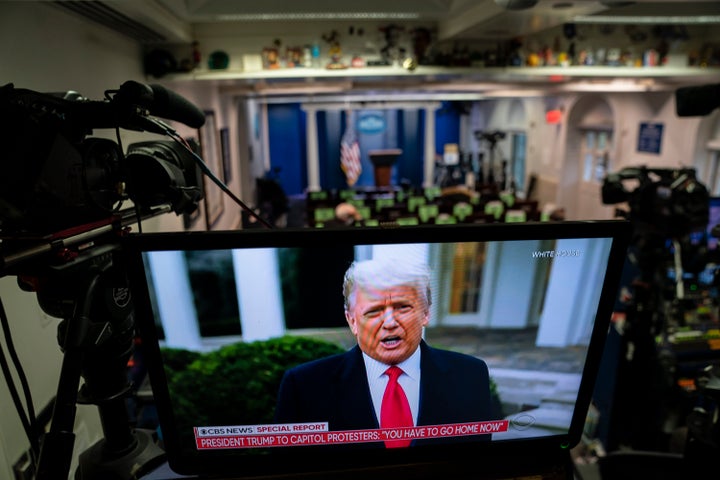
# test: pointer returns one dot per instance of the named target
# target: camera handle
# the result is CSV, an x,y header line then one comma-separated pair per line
x,y
96,336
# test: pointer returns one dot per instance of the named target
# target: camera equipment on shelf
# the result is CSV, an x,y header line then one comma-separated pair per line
x,y
494,177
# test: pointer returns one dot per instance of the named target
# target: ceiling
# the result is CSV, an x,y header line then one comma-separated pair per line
x,y
173,20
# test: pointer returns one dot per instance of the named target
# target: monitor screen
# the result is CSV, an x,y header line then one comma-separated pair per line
x,y
269,352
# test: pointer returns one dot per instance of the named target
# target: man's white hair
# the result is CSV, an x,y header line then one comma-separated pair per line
x,y
385,273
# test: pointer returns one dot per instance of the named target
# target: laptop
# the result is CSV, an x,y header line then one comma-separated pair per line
x,y
223,316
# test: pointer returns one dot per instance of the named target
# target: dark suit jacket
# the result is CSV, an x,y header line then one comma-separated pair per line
x,y
454,388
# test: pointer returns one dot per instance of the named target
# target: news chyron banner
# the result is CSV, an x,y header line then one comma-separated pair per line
x,y
298,434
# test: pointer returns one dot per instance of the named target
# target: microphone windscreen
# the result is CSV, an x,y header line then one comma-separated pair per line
x,y
170,105
697,101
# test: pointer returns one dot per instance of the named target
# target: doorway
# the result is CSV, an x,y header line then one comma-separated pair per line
x,y
589,158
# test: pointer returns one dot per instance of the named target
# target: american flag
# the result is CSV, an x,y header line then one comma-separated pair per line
x,y
350,153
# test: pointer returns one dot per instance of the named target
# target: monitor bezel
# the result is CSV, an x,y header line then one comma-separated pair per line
x,y
312,461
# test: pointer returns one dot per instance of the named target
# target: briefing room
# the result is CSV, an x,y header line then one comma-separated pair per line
x,y
468,238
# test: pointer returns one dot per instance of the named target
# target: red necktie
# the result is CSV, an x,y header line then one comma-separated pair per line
x,y
395,409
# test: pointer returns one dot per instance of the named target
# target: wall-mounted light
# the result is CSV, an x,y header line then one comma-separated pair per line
x,y
553,116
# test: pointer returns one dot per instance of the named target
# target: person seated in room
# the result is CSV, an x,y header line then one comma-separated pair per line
x,y
346,215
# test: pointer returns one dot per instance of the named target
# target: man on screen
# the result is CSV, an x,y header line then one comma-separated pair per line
x,y
387,305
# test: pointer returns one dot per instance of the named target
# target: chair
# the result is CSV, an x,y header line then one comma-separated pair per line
x,y
530,207
414,202
405,221
432,192
346,195
323,214
364,211
515,216
381,203
317,195
495,208
426,212
445,219
507,198
462,210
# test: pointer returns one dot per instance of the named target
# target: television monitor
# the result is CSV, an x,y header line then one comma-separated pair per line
x,y
224,317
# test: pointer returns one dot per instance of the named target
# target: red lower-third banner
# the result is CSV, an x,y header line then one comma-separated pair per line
x,y
287,435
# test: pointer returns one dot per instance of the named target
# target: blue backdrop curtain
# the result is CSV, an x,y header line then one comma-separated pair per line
x,y
404,129
447,125
286,137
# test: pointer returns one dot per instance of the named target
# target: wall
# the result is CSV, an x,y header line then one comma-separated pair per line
x,y
552,150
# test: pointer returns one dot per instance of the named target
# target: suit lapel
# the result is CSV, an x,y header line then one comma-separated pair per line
x,y
433,401
353,404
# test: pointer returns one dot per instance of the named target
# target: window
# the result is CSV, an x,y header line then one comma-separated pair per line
x,y
596,154
712,174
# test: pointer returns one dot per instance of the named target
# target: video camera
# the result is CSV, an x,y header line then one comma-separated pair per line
x,y
55,177
62,191
666,202
491,137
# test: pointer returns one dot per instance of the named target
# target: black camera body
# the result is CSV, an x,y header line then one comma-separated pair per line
x,y
667,202
490,137
56,177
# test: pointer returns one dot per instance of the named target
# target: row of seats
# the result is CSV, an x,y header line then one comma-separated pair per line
x,y
420,206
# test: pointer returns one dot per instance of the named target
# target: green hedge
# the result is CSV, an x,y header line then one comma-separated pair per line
x,y
238,383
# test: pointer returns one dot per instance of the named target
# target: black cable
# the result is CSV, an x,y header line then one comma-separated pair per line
x,y
28,419
138,216
211,175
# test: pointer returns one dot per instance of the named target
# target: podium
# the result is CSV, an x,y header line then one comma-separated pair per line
x,y
383,161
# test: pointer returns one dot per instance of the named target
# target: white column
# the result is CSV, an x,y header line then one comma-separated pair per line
x,y
573,293
265,137
429,170
508,286
311,141
259,295
175,300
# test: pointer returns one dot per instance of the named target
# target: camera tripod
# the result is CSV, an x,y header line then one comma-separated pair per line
x,y
492,139
90,294
646,378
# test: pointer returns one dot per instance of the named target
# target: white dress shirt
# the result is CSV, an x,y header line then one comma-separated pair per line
x,y
409,381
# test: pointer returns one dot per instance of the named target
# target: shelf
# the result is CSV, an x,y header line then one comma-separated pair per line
x,y
454,72
443,83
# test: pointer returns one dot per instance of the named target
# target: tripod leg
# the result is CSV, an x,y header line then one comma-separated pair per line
x,y
96,338
57,445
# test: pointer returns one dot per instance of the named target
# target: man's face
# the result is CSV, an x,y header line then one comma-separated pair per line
x,y
388,323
